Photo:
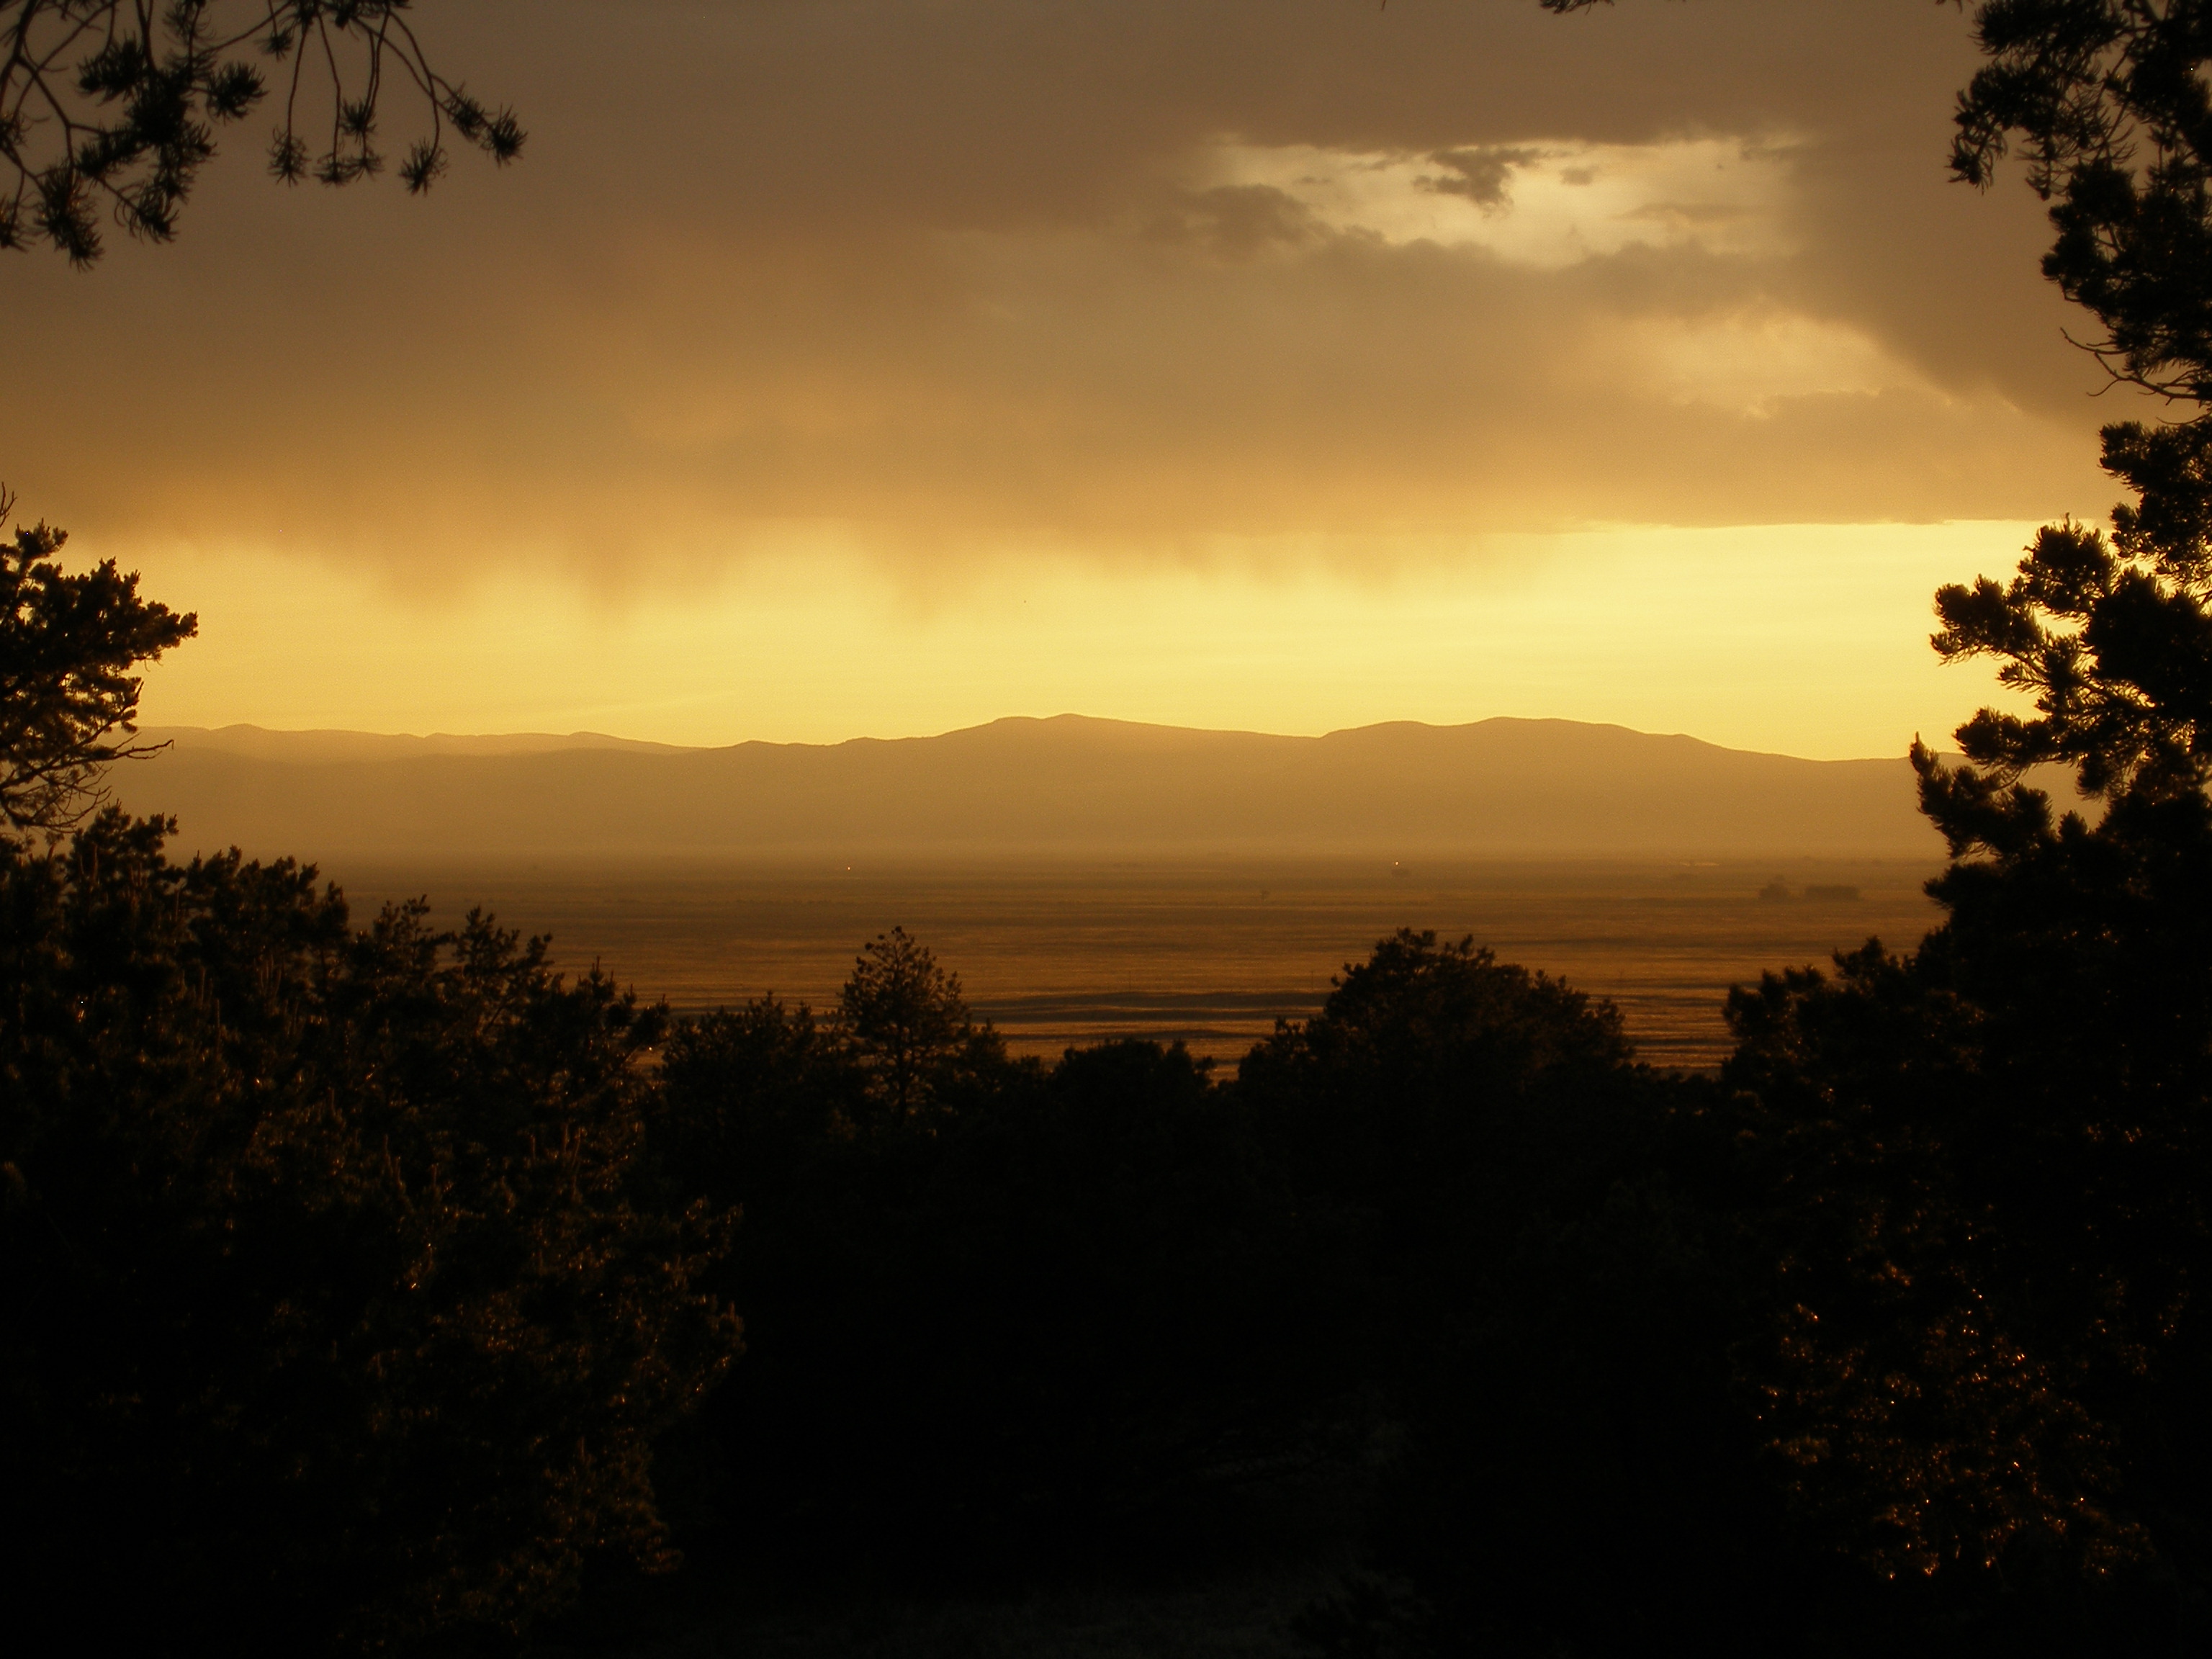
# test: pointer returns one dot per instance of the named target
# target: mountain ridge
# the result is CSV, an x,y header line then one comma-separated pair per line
x,y
1065,784
345,743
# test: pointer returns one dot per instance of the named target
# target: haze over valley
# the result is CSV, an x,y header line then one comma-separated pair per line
x,y
1096,879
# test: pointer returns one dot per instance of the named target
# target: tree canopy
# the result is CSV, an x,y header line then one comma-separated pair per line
x,y
113,106
67,646
909,1029
337,1307
2106,102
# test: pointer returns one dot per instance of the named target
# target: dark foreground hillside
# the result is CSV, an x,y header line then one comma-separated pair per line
x,y
1250,1614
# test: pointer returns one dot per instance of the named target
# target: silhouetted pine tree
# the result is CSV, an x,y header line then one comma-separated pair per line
x,y
110,110
997,1315
333,1312
68,697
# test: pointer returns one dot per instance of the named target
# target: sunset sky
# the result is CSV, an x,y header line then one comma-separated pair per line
x,y
874,368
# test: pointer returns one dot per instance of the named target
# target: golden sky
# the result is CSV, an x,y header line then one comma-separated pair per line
x,y
874,368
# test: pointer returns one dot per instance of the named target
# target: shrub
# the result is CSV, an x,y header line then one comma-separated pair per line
x,y
332,1313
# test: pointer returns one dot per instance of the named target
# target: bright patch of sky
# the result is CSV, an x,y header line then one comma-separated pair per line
x,y
1542,204
1749,360
1797,639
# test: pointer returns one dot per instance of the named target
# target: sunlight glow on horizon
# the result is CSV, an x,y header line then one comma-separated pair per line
x,y
1805,639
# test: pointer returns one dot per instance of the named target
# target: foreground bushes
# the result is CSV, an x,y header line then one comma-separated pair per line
x,y
369,1286
1000,1314
331,1310
1551,1287
1894,1340
1043,1316
1983,1209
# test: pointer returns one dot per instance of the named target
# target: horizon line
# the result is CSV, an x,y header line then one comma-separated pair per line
x,y
583,737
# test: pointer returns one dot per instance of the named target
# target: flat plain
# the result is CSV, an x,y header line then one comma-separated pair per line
x,y
1209,953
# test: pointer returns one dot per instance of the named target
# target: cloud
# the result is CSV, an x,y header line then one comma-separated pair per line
x,y
1239,220
930,282
1551,205
1481,174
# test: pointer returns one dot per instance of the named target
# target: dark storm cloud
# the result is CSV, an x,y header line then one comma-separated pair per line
x,y
1480,174
956,274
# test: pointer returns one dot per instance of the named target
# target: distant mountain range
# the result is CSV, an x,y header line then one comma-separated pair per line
x,y
1066,785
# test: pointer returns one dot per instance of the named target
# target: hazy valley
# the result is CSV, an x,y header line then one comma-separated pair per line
x,y
1089,879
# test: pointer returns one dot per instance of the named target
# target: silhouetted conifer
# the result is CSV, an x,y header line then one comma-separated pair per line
x,y
1539,1277
1034,1312
1435,1083
68,697
1989,1156
1972,1177
331,1312
906,1026
109,109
